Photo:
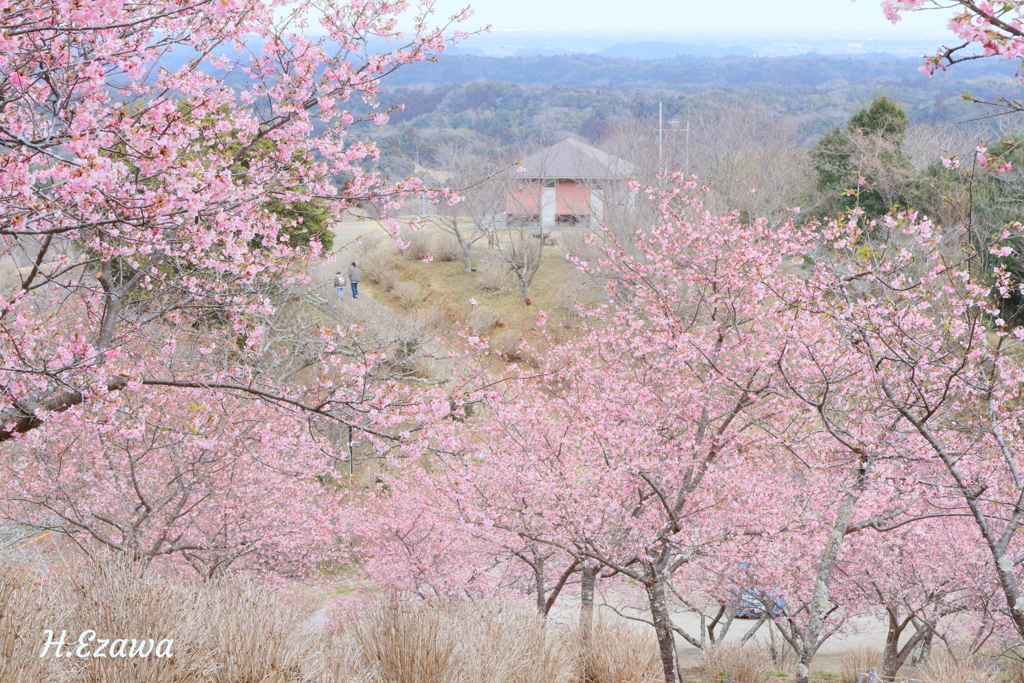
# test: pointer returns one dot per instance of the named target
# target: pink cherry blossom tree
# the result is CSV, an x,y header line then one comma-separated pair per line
x,y
997,28
934,355
183,476
917,578
624,448
160,161
715,330
413,535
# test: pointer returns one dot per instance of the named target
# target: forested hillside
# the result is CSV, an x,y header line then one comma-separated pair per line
x,y
496,104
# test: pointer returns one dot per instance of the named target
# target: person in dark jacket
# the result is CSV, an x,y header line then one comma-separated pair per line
x,y
353,277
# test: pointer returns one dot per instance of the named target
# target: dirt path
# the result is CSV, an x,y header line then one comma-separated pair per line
x,y
864,632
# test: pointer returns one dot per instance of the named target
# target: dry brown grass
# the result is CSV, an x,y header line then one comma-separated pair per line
x,y
482,319
955,667
372,241
492,276
407,293
1013,665
235,631
446,248
25,611
420,245
621,652
448,642
778,649
861,659
574,243
223,631
730,660
508,343
381,266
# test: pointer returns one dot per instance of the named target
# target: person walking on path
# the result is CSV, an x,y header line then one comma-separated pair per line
x,y
353,277
339,285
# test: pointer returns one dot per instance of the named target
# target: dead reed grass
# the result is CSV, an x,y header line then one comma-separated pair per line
x,y
407,292
621,652
447,248
1013,666
233,630
420,244
380,265
449,642
372,240
227,631
482,319
749,663
861,659
778,649
507,343
492,276
956,666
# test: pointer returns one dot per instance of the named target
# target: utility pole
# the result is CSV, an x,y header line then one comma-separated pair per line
x,y
689,114
661,136
687,146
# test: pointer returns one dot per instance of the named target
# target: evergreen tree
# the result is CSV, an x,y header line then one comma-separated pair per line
x,y
863,164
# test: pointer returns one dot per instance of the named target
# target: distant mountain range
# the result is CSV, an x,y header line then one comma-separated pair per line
x,y
653,50
617,72
648,50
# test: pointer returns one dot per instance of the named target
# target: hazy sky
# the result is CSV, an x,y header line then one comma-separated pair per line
x,y
718,17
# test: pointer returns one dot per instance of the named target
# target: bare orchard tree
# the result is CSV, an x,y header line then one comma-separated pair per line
x,y
746,152
471,219
514,242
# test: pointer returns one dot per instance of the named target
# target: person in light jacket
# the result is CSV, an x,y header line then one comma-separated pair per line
x,y
339,285
353,278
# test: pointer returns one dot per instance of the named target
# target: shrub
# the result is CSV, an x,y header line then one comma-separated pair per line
x,y
506,340
778,649
447,248
510,645
408,642
621,652
482,319
507,343
371,242
1014,667
429,368
861,659
955,667
421,245
258,636
747,663
574,243
223,631
523,253
445,641
25,611
492,276
407,292
380,266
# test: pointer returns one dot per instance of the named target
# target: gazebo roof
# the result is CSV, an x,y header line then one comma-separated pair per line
x,y
570,159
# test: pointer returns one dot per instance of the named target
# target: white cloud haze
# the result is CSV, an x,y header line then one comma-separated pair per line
x,y
691,17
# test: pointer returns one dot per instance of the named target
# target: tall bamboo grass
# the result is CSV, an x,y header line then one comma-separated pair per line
x,y
237,631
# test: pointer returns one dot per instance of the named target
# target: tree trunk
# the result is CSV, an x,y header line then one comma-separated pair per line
x,y
895,656
538,582
587,605
818,607
924,646
663,629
